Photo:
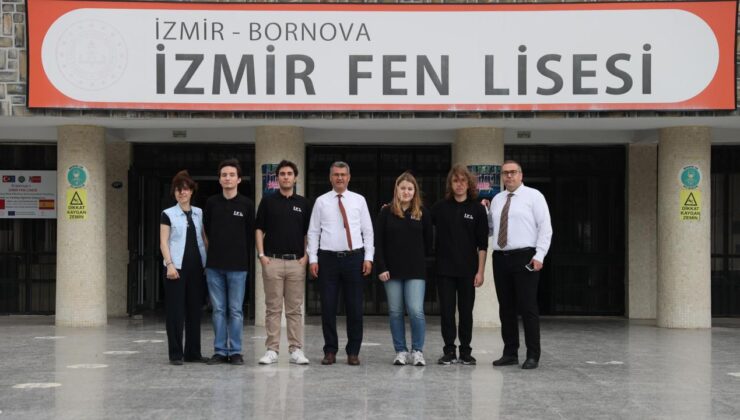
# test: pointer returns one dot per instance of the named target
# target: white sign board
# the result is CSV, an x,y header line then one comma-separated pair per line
x,y
192,56
28,194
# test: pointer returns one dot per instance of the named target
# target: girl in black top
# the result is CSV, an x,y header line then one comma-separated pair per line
x,y
182,243
403,237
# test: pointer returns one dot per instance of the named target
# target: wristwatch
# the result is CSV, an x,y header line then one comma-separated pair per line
x,y
260,255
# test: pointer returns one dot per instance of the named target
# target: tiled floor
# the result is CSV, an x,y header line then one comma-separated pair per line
x,y
590,368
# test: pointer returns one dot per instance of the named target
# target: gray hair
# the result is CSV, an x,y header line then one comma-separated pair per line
x,y
339,164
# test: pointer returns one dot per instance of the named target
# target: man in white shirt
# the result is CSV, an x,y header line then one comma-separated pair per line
x,y
519,222
340,251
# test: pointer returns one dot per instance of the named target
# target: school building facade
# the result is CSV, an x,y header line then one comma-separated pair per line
x,y
622,114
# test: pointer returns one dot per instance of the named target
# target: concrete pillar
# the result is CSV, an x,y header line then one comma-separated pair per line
x,y
81,244
684,276
642,234
118,159
482,146
273,144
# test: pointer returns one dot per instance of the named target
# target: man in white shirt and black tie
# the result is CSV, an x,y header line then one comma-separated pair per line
x,y
519,222
340,251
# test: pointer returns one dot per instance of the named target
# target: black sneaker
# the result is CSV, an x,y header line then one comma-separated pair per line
x,y
447,359
176,362
236,359
467,359
217,359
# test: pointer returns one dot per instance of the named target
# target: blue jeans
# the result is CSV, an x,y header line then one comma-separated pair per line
x,y
412,293
227,287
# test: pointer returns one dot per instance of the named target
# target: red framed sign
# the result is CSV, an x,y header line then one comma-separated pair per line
x,y
462,57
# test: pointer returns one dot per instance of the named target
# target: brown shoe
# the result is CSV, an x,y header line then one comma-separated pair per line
x,y
329,359
353,360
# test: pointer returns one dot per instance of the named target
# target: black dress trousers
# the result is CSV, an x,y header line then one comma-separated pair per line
x,y
516,288
184,302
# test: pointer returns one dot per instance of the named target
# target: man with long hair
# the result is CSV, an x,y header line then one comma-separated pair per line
x,y
461,245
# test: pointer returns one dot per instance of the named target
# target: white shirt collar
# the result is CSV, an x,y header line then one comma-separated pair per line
x,y
516,191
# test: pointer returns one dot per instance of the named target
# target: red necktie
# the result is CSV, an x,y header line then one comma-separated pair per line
x,y
346,223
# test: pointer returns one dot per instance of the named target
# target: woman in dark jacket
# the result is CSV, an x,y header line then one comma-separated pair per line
x,y
403,238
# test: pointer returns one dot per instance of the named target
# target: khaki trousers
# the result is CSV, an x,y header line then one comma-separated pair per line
x,y
284,282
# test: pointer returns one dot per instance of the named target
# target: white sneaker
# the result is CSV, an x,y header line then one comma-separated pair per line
x,y
401,357
417,358
298,357
269,358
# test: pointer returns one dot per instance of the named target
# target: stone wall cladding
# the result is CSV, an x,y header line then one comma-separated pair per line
x,y
14,73
13,65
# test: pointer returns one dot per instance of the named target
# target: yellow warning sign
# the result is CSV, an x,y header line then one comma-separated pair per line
x,y
690,204
76,203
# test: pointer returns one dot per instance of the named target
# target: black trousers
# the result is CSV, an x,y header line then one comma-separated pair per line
x,y
516,288
184,304
347,272
461,292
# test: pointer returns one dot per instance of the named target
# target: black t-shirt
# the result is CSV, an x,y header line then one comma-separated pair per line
x,y
401,244
229,226
462,231
284,220
191,256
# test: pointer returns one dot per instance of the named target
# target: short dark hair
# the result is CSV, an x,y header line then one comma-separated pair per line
x,y
230,162
283,163
513,162
183,179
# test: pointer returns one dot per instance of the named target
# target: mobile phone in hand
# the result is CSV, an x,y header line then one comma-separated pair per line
x,y
529,267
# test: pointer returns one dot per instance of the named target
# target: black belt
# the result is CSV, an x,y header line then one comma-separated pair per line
x,y
514,251
342,254
285,256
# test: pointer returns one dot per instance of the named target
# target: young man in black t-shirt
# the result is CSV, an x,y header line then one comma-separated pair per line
x,y
229,225
461,244
282,223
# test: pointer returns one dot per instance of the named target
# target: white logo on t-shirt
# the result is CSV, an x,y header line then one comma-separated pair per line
x,y
298,209
468,216
238,213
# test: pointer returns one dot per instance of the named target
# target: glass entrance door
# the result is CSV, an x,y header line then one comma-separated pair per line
x,y
725,204
153,167
28,246
374,170
584,188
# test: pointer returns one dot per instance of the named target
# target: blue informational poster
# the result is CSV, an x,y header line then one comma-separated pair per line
x,y
269,179
489,180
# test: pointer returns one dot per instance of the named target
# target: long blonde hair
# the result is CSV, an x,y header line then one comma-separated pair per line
x,y
415,206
